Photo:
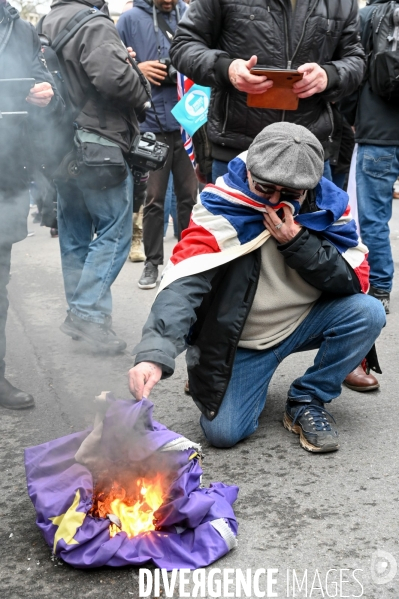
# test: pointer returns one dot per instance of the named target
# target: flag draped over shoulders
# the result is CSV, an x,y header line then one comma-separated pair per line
x,y
227,222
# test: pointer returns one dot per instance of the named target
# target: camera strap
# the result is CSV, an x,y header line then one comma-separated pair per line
x,y
143,82
164,27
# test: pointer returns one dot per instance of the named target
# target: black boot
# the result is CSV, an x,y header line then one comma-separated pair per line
x,y
100,337
13,398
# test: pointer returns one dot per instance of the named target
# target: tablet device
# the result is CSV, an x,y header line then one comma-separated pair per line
x,y
16,88
280,96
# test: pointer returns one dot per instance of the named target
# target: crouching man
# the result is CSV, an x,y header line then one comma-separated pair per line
x,y
270,265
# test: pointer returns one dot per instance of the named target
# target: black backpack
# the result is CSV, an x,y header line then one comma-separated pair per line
x,y
57,138
383,51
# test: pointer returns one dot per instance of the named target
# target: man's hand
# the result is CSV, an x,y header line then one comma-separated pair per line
x,y
131,52
154,71
314,80
242,79
40,94
282,230
143,377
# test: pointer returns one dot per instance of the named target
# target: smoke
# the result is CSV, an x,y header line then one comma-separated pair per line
x,y
124,446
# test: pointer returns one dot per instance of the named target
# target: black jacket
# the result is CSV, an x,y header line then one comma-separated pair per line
x,y
212,33
377,120
97,70
21,58
207,313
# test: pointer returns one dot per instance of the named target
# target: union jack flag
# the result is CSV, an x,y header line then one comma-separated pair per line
x,y
183,85
227,222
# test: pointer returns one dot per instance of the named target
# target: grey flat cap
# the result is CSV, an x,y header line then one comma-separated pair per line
x,y
288,155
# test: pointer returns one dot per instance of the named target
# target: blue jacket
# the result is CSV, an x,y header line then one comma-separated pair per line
x,y
136,28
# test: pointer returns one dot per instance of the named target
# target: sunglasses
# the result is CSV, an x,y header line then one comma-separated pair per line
x,y
268,189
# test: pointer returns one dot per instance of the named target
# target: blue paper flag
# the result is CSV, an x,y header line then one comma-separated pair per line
x,y
192,110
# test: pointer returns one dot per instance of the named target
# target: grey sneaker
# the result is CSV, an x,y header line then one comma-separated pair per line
x,y
313,424
100,337
148,279
382,295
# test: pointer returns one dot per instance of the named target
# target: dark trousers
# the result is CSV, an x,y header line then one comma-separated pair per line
x,y
5,262
186,189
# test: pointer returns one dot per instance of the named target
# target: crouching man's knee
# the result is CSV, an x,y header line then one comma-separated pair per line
x,y
220,434
374,313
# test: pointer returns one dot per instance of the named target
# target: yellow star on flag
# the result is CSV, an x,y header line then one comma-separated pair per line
x,y
68,523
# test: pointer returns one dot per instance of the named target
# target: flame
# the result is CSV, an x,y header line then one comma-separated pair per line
x,y
134,508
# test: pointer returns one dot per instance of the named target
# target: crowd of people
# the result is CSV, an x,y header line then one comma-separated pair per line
x,y
268,260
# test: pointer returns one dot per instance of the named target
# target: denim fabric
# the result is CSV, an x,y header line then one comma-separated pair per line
x,y
343,329
327,170
5,261
377,169
219,168
330,174
95,230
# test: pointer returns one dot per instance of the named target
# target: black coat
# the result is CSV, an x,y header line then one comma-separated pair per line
x,y
99,79
207,312
21,58
214,32
377,120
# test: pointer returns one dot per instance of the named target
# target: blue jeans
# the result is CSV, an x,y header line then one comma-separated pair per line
x,y
377,169
219,168
95,231
343,330
330,174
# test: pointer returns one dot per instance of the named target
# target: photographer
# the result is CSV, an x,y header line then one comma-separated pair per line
x,y
148,28
104,90
21,117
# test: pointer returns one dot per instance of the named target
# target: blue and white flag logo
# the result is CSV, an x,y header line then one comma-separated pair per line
x,y
192,110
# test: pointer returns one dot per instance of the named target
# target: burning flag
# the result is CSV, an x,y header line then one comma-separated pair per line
x,y
128,492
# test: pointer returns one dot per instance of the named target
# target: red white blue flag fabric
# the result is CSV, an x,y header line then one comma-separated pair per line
x,y
183,85
227,222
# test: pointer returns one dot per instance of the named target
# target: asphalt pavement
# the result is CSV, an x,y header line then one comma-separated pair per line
x,y
328,521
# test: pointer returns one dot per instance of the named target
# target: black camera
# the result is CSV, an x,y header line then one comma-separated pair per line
x,y
171,77
146,154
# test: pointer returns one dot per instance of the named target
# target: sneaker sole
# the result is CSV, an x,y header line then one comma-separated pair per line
x,y
361,389
296,429
97,348
147,286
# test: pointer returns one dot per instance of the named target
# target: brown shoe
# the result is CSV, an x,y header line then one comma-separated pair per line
x,y
359,380
396,195
187,388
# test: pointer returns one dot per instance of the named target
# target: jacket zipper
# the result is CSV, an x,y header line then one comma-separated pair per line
x,y
287,46
289,62
302,34
226,114
330,114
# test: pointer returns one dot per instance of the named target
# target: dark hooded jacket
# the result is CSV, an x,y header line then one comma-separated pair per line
x,y
139,28
377,119
213,33
20,58
98,76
